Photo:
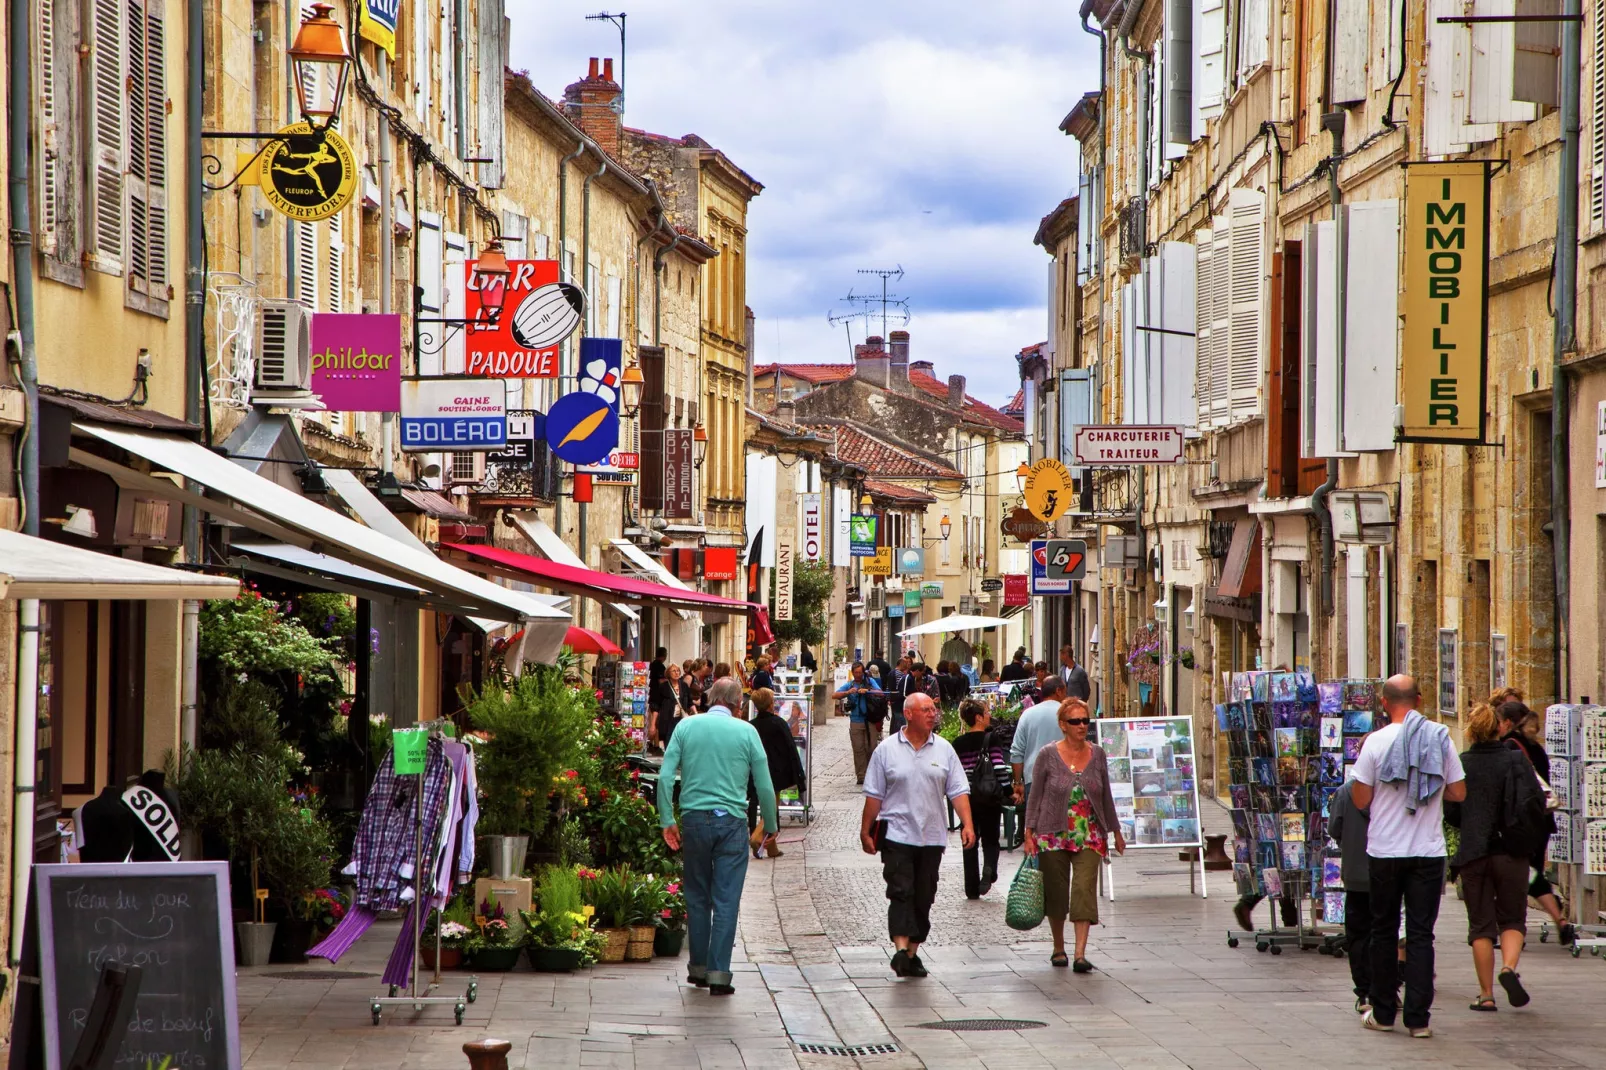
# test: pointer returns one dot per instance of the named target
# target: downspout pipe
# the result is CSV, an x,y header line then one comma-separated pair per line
x,y
1106,626
563,236
585,277
1562,340
1144,65
1334,122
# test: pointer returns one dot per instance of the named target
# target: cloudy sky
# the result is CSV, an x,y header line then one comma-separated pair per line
x,y
920,133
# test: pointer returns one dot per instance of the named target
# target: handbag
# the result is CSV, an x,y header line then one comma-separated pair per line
x,y
984,785
1023,909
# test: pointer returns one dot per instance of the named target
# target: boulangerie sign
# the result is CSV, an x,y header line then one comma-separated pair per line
x,y
356,361
678,447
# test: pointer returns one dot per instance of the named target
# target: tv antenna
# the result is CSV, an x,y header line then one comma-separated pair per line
x,y
619,21
887,301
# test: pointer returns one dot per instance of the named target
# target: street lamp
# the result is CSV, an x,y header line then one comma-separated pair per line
x,y
490,281
946,525
866,506
631,383
1021,475
318,57
699,440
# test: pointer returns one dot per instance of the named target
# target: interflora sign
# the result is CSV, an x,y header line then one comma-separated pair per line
x,y
308,177
1444,358
1048,489
464,415
1128,444
538,313
356,361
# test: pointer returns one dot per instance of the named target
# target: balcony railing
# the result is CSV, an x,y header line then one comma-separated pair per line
x,y
539,478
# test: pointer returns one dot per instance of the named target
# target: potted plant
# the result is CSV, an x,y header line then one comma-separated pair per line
x,y
560,934
495,948
647,900
611,893
671,933
454,925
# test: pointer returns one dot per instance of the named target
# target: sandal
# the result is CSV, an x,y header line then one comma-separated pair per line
x,y
1512,983
1059,959
1082,966
1484,1003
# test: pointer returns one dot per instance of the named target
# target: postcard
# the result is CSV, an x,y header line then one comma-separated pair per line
x,y
1265,771
1271,880
1310,739
1293,855
1284,687
1316,830
1332,733
1260,744
1291,800
1361,694
1288,743
1242,850
1332,873
1165,806
1333,907
1352,747
1358,722
1239,794
1237,716
1332,765
1330,696
1266,855
1238,770
1293,827
1148,829
1120,770
1266,827
1260,717
1243,877
1260,686
1327,801
1264,798
1180,830
1223,724
1290,770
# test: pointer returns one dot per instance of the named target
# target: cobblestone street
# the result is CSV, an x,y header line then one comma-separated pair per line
x,y
812,971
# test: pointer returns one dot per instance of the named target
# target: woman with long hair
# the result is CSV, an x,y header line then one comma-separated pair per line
x,y
1520,727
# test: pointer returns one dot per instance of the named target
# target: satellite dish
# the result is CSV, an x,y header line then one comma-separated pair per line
x,y
547,315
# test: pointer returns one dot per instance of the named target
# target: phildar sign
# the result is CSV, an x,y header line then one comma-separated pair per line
x,y
356,361
1444,358
538,313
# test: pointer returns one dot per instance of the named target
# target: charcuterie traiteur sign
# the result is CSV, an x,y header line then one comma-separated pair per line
x,y
538,313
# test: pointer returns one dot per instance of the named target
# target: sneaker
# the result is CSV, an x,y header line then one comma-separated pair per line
x,y
1244,918
1423,1033
900,963
721,990
916,968
697,979
1369,1022
1567,934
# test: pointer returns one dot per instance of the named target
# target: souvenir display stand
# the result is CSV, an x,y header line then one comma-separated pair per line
x,y
1290,742
794,700
1156,789
630,695
1575,739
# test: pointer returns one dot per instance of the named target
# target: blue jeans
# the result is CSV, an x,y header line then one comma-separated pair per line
x,y
715,849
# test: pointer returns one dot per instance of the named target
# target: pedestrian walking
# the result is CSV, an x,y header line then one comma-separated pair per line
x,y
1501,821
1070,822
1077,685
911,774
979,752
1016,669
1346,826
785,763
1520,727
1038,727
665,703
714,753
1406,772
862,700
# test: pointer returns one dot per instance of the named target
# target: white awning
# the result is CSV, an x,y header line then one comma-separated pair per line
x,y
957,622
552,546
280,513
650,569
31,567
369,509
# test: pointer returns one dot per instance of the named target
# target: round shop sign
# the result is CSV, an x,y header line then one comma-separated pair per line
x,y
307,177
582,428
1048,489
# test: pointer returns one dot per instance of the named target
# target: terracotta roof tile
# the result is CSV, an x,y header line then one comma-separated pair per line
x,y
882,489
884,460
1017,404
924,381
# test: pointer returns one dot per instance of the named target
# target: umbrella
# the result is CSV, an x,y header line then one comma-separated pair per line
x,y
586,641
958,622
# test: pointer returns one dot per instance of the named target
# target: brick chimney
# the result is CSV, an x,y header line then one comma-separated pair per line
x,y
956,391
870,361
900,359
593,105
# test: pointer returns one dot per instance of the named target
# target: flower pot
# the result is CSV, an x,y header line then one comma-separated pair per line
x,y
506,854
554,959
618,942
496,959
451,957
667,942
639,948
253,942
291,939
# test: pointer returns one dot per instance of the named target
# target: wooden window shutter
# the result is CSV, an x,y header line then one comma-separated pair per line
x,y
651,420
1221,326
1179,72
108,135
304,265
1248,208
1597,115
1536,66
1351,45
337,264
1202,318
61,140
147,148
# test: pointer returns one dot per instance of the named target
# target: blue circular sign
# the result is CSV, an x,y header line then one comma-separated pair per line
x,y
582,428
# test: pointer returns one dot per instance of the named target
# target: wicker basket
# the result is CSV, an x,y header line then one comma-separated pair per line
x,y
640,947
618,944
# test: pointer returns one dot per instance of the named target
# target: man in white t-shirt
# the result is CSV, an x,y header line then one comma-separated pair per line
x,y
1405,772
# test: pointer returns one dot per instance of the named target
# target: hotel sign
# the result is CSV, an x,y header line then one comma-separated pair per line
x,y
1445,355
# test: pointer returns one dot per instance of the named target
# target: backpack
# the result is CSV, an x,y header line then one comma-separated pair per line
x,y
984,785
875,706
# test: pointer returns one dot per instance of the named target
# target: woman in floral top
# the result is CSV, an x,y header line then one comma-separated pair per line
x,y
1070,819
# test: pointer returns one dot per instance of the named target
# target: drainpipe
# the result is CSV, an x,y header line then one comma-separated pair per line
x,y
1334,123
387,267
1144,88
563,234
1562,332
189,699
1106,625
585,276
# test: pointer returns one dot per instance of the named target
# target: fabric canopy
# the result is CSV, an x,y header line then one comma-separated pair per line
x,y
586,581
586,641
31,567
555,549
957,622
649,568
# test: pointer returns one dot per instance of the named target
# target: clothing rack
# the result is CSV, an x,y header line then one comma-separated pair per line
x,y
420,995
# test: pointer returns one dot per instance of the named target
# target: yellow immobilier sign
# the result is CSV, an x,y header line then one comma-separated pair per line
x,y
1444,357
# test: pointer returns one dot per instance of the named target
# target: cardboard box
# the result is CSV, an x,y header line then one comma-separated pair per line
x,y
514,893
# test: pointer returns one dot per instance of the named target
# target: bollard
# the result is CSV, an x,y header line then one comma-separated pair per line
x,y
487,1054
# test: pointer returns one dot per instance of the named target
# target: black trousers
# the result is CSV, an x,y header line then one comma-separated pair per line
x,y
1289,906
1417,886
1358,940
987,820
911,876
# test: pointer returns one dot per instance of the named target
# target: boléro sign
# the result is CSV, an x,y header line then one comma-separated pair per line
x,y
462,415
1113,444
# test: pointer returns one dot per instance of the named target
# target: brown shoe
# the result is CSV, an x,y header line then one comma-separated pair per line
x,y
772,847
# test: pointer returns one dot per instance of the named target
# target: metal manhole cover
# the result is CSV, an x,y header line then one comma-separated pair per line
x,y
317,975
983,1025
848,1049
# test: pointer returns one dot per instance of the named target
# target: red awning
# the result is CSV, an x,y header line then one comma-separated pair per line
x,y
586,582
586,641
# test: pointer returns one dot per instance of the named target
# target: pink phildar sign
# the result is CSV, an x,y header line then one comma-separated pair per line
x,y
356,361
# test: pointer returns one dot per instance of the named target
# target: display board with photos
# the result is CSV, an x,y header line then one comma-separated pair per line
x,y
794,704
1575,739
631,692
1152,777
1290,744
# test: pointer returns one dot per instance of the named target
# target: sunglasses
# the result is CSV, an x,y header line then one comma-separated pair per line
x,y
1077,720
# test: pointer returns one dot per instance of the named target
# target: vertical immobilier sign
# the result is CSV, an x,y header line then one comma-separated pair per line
x,y
1446,302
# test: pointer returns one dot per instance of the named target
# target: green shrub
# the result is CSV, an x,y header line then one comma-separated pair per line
x,y
535,726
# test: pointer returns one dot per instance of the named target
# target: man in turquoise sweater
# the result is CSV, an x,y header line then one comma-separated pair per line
x,y
715,754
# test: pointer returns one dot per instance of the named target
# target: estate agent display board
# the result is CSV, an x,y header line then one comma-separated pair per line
x,y
1575,739
1152,776
172,920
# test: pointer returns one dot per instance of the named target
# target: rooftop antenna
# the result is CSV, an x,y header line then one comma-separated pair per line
x,y
884,274
619,21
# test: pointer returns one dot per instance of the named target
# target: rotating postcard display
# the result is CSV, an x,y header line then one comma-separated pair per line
x,y
1575,739
1290,743
631,695
794,704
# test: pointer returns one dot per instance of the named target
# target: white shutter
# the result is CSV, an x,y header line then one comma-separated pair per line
x,y
1084,226
1052,334
1204,258
1447,125
445,61
515,231
616,307
1156,146
431,300
1537,67
492,63
1254,30
156,207
337,264
1371,325
1129,346
1175,307
454,282
1248,209
538,246
421,68
591,300
1221,325
1492,63
1319,382
1388,45
108,135
1597,115
304,263
1178,85
1209,61
1351,42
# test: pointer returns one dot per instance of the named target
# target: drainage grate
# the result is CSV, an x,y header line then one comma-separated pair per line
x,y
848,1049
316,975
983,1025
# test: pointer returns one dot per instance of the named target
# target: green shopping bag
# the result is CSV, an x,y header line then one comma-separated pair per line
x,y
1024,907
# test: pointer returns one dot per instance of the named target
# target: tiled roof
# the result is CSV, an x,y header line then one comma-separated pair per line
x,y
924,381
882,489
814,373
1017,404
887,461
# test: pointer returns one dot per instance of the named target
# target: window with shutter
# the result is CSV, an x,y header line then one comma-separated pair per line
x,y
336,299
1371,325
1178,84
108,135
1597,115
304,263
1492,67
1174,304
1209,61
1320,381
1221,324
1248,208
616,307
1084,226
1388,42
61,138
454,281
591,300
1130,403
1351,45
431,300
1446,124
493,60
1537,65
1204,261
1254,28
515,232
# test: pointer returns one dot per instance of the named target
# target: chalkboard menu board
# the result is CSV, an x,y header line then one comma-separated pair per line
x,y
172,920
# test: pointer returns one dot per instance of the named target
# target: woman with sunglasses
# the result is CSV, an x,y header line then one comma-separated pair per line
x,y
1070,821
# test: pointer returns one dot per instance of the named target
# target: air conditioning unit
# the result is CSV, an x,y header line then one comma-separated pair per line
x,y
875,599
283,350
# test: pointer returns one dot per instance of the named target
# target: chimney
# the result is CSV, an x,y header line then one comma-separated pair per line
x,y
870,362
900,358
786,411
593,104
956,391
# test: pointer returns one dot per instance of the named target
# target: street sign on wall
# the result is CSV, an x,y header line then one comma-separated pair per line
x,y
538,313
1022,526
1016,592
813,544
1066,559
462,415
992,583
583,425
1121,444
1048,489
1041,581
523,428
878,564
911,561
356,361
783,579
862,533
